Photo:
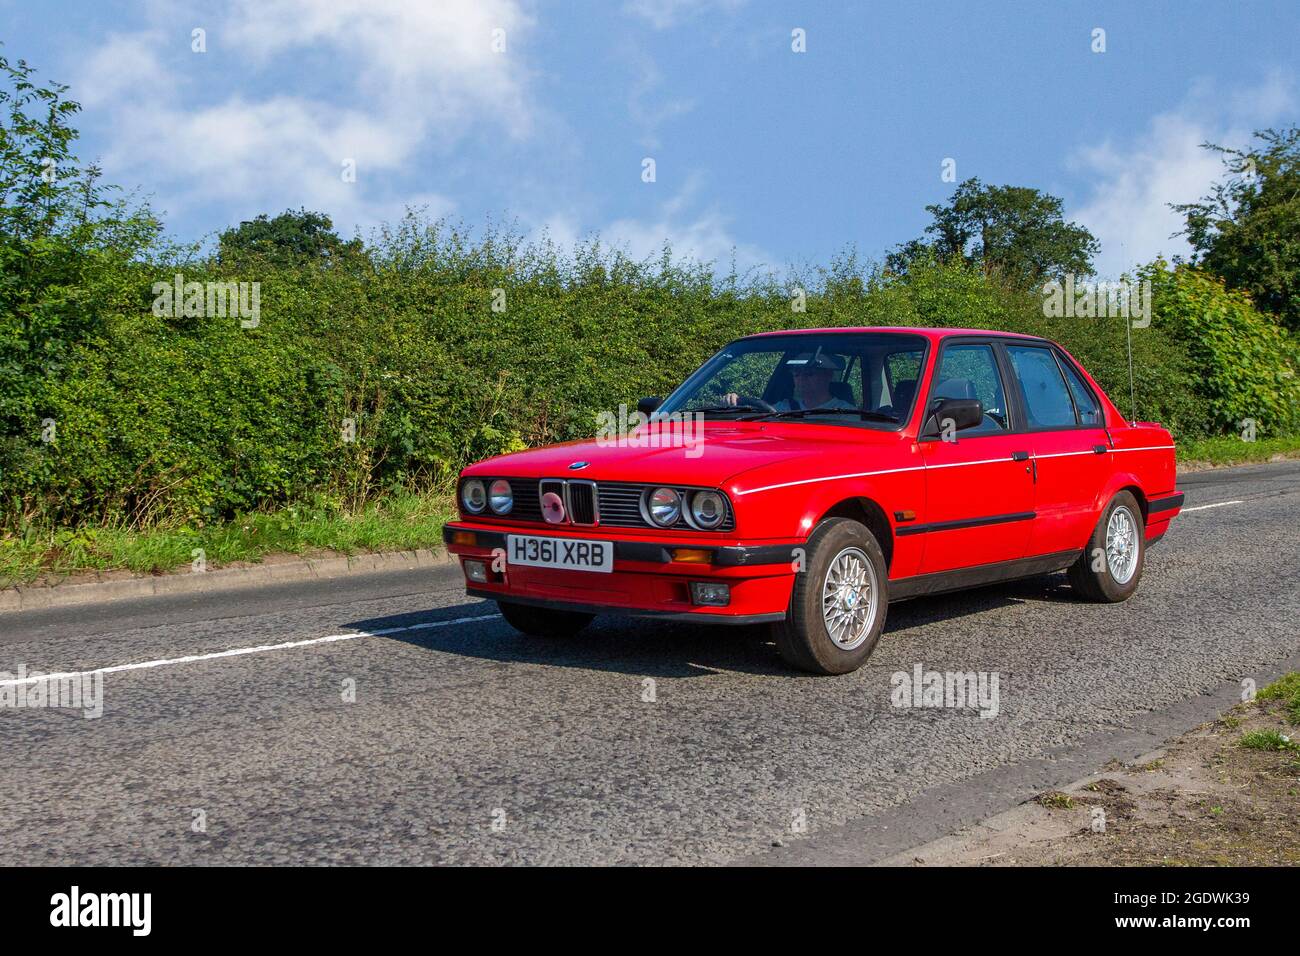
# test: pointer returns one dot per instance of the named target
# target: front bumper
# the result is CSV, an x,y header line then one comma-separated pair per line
x,y
646,581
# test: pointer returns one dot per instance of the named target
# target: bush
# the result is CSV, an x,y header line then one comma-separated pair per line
x,y
1245,362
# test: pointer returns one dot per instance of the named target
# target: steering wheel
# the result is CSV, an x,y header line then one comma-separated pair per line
x,y
756,402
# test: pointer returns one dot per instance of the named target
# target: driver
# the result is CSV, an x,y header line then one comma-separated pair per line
x,y
812,373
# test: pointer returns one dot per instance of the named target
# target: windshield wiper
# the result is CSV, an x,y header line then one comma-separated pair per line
x,y
862,413
722,408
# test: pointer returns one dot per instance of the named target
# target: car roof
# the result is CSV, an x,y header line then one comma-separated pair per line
x,y
927,331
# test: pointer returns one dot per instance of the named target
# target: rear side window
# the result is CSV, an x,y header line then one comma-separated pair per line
x,y
1089,411
1046,397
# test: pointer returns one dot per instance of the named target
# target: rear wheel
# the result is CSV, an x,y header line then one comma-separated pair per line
x,y
838,604
543,621
1111,566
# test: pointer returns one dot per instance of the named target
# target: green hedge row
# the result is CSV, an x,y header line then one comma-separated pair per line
x,y
184,420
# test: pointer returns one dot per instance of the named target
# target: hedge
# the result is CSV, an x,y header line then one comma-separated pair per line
x,y
190,420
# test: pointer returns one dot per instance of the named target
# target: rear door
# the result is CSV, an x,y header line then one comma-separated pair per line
x,y
1063,426
978,487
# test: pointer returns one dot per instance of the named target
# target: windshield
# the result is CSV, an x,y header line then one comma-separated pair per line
x,y
836,377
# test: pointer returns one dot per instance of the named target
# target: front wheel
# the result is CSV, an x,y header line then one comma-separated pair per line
x,y
838,604
543,621
1111,566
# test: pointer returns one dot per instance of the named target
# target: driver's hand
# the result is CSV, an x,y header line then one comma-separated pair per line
x,y
731,398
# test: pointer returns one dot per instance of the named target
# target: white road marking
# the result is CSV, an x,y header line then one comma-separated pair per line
x,y
240,651
1217,504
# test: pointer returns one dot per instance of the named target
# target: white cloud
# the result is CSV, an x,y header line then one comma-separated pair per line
x,y
700,234
648,114
408,75
436,58
662,14
1136,179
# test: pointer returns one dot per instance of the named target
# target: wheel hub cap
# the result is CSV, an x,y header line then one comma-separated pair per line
x,y
849,598
1121,545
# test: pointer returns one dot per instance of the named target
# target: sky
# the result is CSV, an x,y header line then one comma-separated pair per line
x,y
545,114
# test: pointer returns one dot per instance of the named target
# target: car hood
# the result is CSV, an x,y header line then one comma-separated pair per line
x,y
723,452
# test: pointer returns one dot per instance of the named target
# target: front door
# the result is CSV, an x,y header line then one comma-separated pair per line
x,y
979,487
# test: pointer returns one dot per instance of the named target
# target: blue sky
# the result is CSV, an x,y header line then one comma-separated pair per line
x,y
761,153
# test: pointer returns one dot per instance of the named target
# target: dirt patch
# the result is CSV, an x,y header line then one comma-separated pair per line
x,y
1205,800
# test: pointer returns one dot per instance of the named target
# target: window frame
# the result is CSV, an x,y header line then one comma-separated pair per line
x,y
1062,363
1000,366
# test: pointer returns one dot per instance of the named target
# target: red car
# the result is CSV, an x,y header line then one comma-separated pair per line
x,y
807,479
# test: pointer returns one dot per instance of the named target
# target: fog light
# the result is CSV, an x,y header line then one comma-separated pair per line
x,y
693,555
464,537
476,571
710,593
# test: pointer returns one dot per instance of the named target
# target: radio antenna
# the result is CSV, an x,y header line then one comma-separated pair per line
x,y
1128,341
1132,391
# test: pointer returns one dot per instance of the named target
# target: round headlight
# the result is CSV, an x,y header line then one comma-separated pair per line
x,y
500,498
708,509
665,507
472,496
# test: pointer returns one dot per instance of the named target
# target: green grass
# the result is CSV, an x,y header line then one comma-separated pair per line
x,y
395,523
1231,450
1055,800
1268,740
1287,690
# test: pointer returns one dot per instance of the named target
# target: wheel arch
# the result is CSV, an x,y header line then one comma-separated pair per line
x,y
868,512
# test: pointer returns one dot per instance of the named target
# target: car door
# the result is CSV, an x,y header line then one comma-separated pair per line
x,y
978,485
1063,424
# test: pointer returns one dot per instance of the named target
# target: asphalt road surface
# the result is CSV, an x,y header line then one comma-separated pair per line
x,y
388,719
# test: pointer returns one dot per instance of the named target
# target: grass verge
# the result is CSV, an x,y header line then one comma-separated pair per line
x,y
395,523
1231,450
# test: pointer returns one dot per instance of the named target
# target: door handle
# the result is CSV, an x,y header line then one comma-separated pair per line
x,y
1020,456
1099,449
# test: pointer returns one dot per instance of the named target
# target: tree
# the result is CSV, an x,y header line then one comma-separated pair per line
x,y
1016,232
291,237
1247,230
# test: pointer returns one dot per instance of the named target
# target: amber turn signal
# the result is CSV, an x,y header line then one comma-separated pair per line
x,y
464,537
692,555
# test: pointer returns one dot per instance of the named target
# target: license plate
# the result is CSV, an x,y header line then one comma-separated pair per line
x,y
569,553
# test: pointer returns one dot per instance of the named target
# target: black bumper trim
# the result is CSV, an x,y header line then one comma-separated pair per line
x,y
962,523
1169,503
958,579
725,556
695,617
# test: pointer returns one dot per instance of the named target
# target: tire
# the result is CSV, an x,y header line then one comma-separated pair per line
x,y
543,621
803,638
1096,575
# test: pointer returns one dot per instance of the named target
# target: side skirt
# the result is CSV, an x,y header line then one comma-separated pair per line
x,y
940,582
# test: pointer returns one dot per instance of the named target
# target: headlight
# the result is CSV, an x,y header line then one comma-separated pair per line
x,y
708,509
472,496
500,498
665,507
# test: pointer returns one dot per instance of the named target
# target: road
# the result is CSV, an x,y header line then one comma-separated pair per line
x,y
466,743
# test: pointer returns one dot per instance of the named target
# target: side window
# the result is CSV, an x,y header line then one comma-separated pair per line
x,y
1089,411
1047,400
971,371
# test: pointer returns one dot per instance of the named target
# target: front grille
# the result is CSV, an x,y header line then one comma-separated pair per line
x,y
528,503
582,502
615,504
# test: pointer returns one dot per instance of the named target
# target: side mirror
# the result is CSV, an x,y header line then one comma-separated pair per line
x,y
964,413
647,406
